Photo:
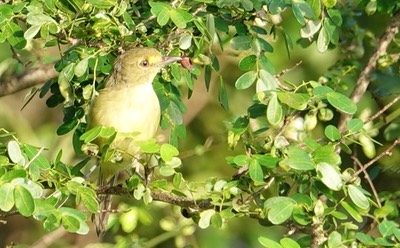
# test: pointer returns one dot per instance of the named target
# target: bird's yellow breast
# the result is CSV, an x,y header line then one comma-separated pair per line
x,y
133,110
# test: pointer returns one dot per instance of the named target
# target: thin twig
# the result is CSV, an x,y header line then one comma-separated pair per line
x,y
34,157
380,112
364,77
387,152
371,184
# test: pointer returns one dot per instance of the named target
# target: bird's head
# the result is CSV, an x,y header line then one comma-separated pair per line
x,y
138,66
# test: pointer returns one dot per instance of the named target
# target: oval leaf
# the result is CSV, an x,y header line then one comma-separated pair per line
x,y
357,196
332,133
7,197
255,171
205,218
298,159
330,176
23,201
294,100
246,80
274,111
341,102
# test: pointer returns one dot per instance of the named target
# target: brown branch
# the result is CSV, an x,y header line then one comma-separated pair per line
x,y
364,77
387,152
29,78
181,201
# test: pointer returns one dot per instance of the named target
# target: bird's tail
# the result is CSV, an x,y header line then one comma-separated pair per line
x,y
101,218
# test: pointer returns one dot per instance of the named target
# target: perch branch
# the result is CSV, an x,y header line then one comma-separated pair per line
x,y
161,196
29,78
364,77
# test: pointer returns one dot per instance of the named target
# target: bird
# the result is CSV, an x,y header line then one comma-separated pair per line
x,y
129,104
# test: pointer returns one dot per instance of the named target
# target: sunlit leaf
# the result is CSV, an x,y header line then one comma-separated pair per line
x,y
298,159
330,176
246,80
332,133
357,196
341,102
274,111
23,201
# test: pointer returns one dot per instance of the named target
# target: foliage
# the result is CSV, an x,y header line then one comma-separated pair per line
x,y
291,158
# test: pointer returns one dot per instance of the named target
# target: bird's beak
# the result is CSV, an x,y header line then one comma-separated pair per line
x,y
168,60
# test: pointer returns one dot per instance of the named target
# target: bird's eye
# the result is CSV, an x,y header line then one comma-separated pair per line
x,y
144,63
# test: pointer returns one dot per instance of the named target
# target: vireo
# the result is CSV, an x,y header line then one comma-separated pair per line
x,y
129,104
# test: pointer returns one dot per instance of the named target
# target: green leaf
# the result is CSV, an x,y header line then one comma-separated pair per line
x,y
246,80
311,28
329,3
357,196
70,223
74,220
66,75
14,152
322,91
269,243
10,175
289,243
185,42
365,239
241,42
274,111
16,35
205,218
294,100
81,67
330,176
255,171
7,197
88,197
266,160
298,159
103,4
38,159
353,212
279,209
335,16
24,201
91,134
341,102
332,133
157,7
387,227
216,220
168,151
247,63
180,18
167,171
334,240
31,32
266,82
355,125
163,17
326,154
222,94
323,40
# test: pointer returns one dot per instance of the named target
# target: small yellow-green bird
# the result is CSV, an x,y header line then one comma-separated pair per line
x,y
129,104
